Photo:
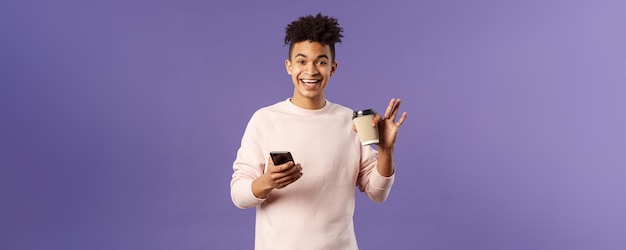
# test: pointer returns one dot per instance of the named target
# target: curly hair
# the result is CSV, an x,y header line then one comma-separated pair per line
x,y
319,28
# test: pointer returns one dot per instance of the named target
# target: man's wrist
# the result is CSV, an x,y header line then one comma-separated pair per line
x,y
382,150
261,188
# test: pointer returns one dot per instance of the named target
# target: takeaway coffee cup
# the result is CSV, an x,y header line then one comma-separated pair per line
x,y
363,123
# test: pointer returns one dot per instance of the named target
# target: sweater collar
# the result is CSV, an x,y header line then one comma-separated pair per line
x,y
298,110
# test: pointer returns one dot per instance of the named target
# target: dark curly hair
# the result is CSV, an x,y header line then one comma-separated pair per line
x,y
319,28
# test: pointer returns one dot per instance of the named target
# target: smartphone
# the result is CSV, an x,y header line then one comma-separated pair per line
x,y
281,157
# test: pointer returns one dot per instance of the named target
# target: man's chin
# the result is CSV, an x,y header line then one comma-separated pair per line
x,y
310,93
308,97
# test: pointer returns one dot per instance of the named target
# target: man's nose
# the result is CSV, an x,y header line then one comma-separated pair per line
x,y
311,69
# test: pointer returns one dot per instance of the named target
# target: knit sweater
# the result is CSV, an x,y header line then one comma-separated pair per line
x,y
316,211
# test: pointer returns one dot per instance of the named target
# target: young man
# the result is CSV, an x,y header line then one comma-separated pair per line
x,y
309,203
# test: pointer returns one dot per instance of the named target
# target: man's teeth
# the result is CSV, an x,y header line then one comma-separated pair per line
x,y
309,81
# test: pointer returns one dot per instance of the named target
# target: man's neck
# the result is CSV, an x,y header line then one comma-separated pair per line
x,y
308,103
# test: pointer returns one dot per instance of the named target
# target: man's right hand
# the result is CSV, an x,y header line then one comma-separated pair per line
x,y
276,177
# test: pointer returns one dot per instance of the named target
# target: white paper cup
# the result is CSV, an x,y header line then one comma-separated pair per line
x,y
362,119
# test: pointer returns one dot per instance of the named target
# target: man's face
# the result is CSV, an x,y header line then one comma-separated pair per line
x,y
310,67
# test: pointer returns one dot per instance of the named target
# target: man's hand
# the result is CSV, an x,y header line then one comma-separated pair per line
x,y
276,177
388,126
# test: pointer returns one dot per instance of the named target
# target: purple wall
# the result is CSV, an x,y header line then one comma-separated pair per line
x,y
120,120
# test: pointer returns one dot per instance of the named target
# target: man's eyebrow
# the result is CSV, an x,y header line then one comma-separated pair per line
x,y
320,56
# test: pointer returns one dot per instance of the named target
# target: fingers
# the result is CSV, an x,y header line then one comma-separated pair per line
x,y
396,107
389,109
281,168
288,179
376,119
282,175
399,122
392,109
288,176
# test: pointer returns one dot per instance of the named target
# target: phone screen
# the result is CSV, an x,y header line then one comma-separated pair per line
x,y
281,157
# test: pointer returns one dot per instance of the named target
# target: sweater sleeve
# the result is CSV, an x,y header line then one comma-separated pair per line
x,y
374,185
248,166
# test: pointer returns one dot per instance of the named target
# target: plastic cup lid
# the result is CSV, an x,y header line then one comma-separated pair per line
x,y
364,112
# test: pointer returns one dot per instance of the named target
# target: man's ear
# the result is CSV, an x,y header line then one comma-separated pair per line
x,y
333,68
288,66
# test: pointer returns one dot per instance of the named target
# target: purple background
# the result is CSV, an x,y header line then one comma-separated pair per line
x,y
120,120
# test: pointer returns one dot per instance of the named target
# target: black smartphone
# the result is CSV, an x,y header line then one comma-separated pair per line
x,y
281,157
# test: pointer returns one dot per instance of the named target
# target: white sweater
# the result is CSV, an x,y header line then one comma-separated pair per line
x,y
316,211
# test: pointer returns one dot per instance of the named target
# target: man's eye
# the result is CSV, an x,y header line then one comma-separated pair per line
x,y
321,63
300,61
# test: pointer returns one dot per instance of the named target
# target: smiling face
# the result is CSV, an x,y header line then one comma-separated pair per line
x,y
310,66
